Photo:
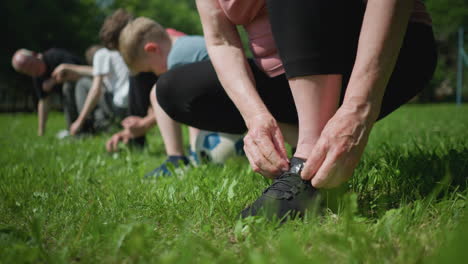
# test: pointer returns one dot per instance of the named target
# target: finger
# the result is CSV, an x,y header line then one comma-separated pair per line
x,y
257,169
109,145
326,172
314,161
56,71
266,168
115,144
268,150
278,142
254,166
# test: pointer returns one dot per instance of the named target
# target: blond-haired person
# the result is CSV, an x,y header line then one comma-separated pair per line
x,y
147,47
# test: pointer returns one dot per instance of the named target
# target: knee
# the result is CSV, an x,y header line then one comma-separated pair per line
x,y
152,95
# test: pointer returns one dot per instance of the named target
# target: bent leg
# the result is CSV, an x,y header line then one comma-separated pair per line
x,y
139,92
193,95
170,130
413,70
313,55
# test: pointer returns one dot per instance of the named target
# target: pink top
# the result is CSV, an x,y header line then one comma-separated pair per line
x,y
174,33
254,17
252,14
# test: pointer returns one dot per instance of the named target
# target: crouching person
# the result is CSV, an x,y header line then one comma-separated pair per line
x,y
108,91
40,66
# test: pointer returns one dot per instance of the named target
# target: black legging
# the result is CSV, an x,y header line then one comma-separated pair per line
x,y
193,95
138,98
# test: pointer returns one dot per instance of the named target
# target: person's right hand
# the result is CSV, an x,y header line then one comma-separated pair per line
x,y
135,126
112,145
60,72
264,146
64,72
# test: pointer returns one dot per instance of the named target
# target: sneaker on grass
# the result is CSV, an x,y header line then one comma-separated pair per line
x,y
164,170
287,196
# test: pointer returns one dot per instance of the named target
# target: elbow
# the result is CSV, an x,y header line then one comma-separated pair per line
x,y
399,4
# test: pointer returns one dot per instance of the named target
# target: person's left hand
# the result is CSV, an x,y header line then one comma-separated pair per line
x,y
135,126
339,148
75,127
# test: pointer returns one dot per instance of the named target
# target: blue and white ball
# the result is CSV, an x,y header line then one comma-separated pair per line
x,y
217,147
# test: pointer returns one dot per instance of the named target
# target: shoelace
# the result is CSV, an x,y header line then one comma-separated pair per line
x,y
282,185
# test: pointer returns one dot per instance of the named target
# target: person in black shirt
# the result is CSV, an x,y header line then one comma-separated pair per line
x,y
40,66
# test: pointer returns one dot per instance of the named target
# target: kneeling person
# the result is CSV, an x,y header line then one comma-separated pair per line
x,y
40,66
110,85
147,47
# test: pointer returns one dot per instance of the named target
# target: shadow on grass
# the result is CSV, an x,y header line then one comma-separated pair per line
x,y
396,178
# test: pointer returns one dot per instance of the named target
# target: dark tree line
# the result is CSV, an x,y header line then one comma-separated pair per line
x,y
74,25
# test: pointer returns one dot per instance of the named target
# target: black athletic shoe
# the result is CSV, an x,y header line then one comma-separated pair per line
x,y
289,195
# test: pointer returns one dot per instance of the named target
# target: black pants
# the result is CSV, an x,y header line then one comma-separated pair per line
x,y
138,97
193,95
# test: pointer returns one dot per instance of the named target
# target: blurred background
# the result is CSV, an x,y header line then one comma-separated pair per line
x,y
74,25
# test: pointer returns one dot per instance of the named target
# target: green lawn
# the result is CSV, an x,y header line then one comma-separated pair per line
x,y
70,201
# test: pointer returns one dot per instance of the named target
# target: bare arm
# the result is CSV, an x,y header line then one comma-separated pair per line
x,y
264,142
227,55
342,142
382,34
42,111
71,72
91,101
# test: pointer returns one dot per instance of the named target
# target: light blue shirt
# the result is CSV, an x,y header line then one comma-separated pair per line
x,y
186,50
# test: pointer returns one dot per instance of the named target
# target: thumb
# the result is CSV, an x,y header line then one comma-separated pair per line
x,y
314,161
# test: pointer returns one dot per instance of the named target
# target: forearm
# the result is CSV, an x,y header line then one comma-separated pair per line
x,y
91,99
149,120
82,70
381,37
228,58
240,86
42,111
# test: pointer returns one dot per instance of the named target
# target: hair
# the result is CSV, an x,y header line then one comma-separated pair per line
x,y
112,27
136,34
89,53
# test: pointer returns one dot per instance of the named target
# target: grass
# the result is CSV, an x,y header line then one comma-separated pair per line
x,y
69,201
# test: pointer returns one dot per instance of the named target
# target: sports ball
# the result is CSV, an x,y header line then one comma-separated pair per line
x,y
217,147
